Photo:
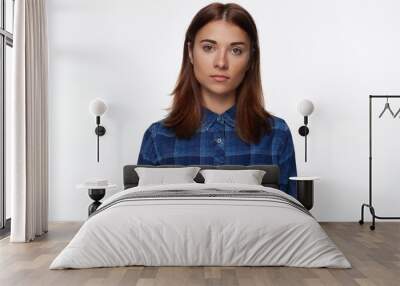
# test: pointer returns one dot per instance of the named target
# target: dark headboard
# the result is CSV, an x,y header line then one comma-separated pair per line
x,y
270,179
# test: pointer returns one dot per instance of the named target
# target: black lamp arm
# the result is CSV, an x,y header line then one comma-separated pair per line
x,y
100,131
305,120
303,131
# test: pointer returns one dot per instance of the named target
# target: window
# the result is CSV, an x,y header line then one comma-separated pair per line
x,y
6,44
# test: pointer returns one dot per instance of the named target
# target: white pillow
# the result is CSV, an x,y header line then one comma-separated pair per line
x,y
163,176
250,177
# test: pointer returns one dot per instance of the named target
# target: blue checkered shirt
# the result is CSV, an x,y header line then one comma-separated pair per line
x,y
217,143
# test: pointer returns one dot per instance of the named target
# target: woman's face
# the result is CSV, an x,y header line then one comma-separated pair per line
x,y
220,49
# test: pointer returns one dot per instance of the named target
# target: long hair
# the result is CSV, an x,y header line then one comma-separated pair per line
x,y
186,111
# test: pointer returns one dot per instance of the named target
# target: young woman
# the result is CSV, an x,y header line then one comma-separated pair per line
x,y
217,115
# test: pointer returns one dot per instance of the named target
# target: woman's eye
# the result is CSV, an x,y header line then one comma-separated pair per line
x,y
236,51
207,48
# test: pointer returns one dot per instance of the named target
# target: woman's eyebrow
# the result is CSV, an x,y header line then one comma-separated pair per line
x,y
215,42
208,40
238,43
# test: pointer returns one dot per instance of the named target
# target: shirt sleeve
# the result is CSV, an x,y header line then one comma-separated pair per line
x,y
287,165
148,154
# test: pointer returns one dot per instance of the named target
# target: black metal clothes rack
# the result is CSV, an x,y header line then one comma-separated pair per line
x,y
369,205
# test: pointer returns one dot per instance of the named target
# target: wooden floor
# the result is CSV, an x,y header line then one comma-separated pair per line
x,y
374,255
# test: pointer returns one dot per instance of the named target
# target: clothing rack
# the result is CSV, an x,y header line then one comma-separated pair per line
x,y
370,206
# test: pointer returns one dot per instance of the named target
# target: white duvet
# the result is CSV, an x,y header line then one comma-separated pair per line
x,y
200,231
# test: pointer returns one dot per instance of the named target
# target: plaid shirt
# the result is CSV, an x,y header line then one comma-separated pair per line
x,y
217,143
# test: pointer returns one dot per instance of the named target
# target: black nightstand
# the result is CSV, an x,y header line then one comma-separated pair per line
x,y
96,193
305,190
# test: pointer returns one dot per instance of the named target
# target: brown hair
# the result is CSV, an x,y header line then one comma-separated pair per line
x,y
186,111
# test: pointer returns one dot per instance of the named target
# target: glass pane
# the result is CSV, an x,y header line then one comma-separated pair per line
x,y
2,202
1,13
10,15
8,70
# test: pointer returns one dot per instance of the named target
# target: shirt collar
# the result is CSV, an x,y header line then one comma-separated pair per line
x,y
209,117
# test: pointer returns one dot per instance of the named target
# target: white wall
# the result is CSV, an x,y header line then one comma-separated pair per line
x,y
334,53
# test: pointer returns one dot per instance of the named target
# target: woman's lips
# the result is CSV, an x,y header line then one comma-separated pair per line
x,y
219,78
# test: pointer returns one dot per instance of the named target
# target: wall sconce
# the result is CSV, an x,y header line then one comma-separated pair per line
x,y
97,107
305,107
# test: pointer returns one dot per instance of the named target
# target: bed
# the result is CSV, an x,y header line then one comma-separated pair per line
x,y
201,224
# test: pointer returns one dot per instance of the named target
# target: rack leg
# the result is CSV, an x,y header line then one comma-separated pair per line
x,y
361,221
372,210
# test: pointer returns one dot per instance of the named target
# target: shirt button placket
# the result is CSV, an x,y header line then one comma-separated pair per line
x,y
219,139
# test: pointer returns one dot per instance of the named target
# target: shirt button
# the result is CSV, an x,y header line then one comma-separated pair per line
x,y
219,140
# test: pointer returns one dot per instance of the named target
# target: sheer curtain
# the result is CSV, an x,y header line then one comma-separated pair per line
x,y
28,123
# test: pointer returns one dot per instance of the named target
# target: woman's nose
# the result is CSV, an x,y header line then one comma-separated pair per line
x,y
221,60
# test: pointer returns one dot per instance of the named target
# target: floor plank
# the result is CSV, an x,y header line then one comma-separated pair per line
x,y
374,255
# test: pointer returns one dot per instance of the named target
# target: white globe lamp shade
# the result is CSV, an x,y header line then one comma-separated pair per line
x,y
305,107
97,107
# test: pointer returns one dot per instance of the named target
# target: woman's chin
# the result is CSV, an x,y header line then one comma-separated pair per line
x,y
219,91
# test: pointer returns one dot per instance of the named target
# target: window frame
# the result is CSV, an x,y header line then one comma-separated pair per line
x,y
6,39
